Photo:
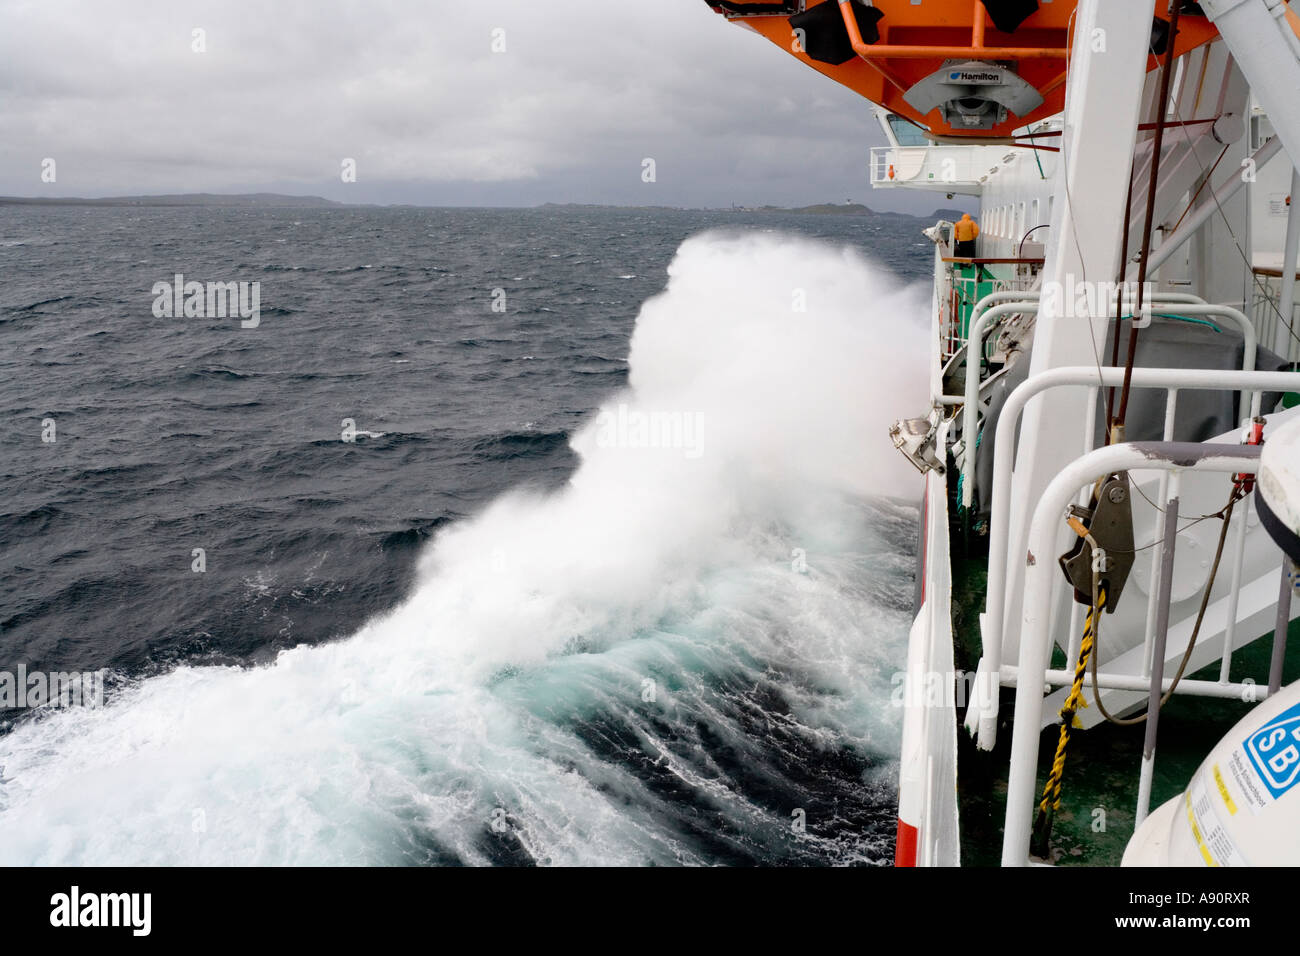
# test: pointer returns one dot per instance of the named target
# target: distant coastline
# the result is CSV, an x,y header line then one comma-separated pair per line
x,y
283,201
180,199
819,209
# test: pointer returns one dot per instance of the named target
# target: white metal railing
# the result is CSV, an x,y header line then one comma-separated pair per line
x,y
962,289
942,296
1000,581
996,306
980,320
1172,459
1265,310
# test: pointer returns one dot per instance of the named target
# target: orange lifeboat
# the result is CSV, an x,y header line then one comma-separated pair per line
x,y
891,48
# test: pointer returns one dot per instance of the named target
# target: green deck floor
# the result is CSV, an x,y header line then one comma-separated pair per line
x,y
1100,786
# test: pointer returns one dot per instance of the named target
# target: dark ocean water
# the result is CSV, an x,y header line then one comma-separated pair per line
x,y
175,434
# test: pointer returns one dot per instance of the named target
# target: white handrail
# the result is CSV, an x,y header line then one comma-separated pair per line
x,y
970,411
1003,457
1195,305
1035,294
1036,639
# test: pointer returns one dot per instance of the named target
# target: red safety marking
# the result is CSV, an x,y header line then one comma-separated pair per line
x,y
905,845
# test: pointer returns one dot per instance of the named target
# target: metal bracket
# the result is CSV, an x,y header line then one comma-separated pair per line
x,y
1109,520
914,437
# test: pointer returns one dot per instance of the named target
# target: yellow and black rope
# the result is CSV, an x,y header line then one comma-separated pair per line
x,y
1051,801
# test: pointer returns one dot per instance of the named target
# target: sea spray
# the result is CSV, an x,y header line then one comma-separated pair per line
x,y
633,669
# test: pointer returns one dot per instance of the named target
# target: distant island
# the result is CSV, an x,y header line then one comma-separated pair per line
x,y
821,209
280,200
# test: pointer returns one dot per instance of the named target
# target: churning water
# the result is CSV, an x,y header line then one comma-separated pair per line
x,y
566,601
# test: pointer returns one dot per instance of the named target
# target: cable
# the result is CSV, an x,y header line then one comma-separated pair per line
x,y
1119,306
1041,174
1205,180
1089,650
1225,514
1051,799
1021,247
1255,281
1157,144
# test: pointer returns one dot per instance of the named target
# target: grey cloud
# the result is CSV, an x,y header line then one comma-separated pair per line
x,y
413,92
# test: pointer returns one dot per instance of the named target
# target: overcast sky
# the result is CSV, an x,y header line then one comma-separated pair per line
x,y
113,91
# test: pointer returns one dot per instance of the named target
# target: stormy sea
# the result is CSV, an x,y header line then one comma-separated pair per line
x,y
547,536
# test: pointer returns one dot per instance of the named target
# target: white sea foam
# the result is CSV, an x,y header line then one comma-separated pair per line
x,y
555,642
